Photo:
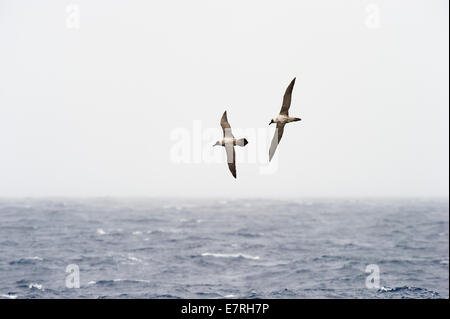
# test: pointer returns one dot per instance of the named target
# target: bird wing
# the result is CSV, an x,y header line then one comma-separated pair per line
x,y
287,99
276,139
231,158
225,125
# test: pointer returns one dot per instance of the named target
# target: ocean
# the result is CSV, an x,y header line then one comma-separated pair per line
x,y
216,248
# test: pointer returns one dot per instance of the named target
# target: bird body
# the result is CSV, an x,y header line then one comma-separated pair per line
x,y
232,141
283,119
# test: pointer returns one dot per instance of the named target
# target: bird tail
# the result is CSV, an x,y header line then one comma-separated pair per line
x,y
242,142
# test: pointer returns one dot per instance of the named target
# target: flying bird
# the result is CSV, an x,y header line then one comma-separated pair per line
x,y
282,119
229,142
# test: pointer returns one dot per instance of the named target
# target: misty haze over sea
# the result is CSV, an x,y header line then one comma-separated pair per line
x,y
213,248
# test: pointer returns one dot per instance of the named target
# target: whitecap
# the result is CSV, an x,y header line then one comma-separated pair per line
x,y
238,255
35,286
9,296
137,233
142,280
92,282
132,258
168,230
131,280
100,231
34,258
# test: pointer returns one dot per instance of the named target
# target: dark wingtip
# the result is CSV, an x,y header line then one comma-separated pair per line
x,y
245,141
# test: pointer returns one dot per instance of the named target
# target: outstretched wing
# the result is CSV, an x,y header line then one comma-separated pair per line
x,y
287,99
276,139
225,125
231,158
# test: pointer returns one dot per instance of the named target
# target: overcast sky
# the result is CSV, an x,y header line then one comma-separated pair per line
x,y
95,94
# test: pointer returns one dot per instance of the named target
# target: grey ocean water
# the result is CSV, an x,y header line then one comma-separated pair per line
x,y
166,248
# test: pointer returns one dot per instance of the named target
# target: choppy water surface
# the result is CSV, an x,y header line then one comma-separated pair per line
x,y
166,248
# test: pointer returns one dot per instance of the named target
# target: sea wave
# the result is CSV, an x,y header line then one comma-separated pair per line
x,y
26,260
132,258
283,249
112,282
35,286
407,290
238,255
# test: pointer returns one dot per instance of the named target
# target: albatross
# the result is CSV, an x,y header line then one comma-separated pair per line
x,y
229,142
282,119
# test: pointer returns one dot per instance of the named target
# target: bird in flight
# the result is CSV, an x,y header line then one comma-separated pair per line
x,y
229,142
282,119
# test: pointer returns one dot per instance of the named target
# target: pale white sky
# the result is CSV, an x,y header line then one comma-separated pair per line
x,y
89,111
